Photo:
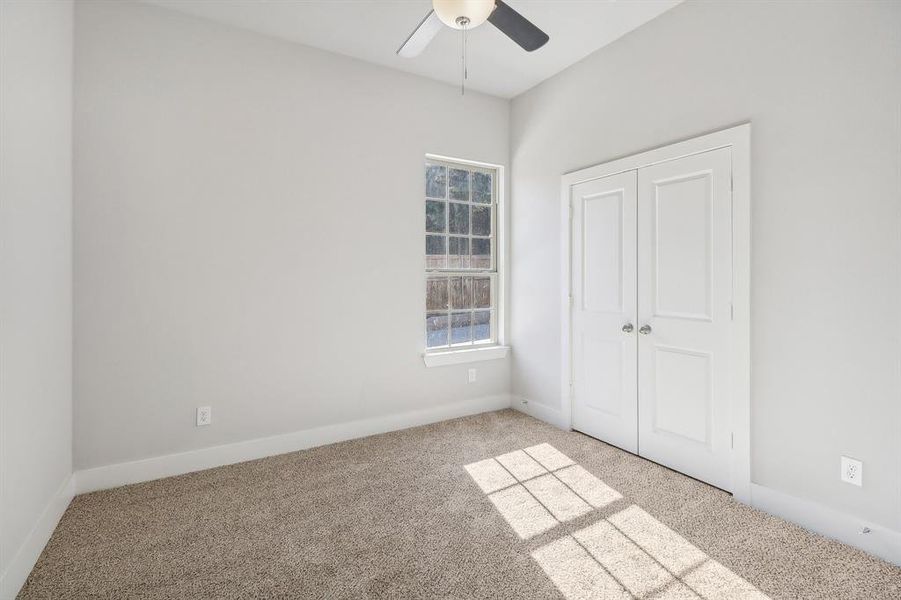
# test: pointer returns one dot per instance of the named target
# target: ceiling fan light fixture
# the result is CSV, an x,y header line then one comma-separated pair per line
x,y
460,13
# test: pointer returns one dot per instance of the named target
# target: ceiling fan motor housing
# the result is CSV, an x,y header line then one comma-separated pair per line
x,y
463,13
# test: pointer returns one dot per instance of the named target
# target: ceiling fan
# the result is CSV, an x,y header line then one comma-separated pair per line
x,y
467,14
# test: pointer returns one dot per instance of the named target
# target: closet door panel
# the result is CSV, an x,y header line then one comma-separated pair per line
x,y
684,313
604,395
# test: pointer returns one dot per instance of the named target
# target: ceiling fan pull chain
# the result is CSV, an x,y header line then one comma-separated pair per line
x,y
465,52
463,61
463,22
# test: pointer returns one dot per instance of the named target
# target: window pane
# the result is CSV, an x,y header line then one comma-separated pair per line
x,y
435,181
461,292
460,230
481,325
435,216
461,330
459,185
435,247
481,292
436,294
481,188
436,330
459,218
481,254
481,220
458,253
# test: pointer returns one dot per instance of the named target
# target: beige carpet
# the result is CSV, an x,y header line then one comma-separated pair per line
x,y
492,506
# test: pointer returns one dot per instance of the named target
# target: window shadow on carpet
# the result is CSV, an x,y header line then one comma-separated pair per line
x,y
628,555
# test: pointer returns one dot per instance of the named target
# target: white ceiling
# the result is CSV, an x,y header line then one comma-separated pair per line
x,y
372,30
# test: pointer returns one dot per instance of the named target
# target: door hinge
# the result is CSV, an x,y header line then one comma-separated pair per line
x,y
732,311
732,440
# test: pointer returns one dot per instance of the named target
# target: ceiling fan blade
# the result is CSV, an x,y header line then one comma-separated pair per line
x,y
421,36
517,27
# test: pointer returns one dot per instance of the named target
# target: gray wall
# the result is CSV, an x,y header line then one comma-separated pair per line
x,y
35,267
249,234
821,84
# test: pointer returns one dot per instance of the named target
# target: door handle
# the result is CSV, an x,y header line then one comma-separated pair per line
x,y
645,329
627,328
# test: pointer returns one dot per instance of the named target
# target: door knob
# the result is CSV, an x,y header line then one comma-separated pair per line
x,y
627,328
645,329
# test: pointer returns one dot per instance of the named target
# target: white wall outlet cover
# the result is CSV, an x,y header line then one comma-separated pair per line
x,y
852,471
204,415
472,376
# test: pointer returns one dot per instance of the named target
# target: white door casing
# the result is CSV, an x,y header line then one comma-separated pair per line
x,y
604,395
684,305
729,426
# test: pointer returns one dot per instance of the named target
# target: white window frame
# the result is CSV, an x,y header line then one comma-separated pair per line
x,y
494,348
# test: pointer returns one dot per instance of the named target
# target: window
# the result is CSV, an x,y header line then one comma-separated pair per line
x,y
461,202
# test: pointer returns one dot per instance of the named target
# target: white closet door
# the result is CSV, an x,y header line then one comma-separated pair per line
x,y
603,304
684,311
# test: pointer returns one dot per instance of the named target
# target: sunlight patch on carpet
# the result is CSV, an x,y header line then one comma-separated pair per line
x,y
489,475
521,465
630,555
526,516
638,572
539,487
715,582
575,573
646,559
551,458
587,486
561,501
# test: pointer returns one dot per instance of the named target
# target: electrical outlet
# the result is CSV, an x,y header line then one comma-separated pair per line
x,y
852,471
204,416
472,376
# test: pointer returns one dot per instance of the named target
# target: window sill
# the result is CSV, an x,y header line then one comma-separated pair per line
x,y
456,357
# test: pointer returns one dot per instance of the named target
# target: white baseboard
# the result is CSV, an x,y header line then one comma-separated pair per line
x,y
881,541
541,412
110,476
12,580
